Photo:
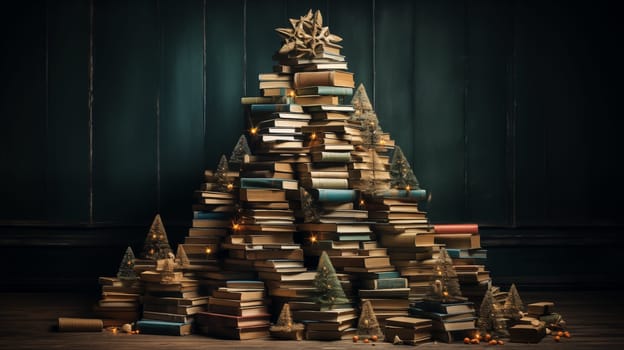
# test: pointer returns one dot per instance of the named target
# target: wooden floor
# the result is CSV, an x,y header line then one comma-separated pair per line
x,y
26,322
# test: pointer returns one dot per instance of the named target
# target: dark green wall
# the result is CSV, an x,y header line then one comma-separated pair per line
x,y
507,110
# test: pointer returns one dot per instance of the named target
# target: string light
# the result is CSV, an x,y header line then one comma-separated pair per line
x,y
313,239
313,136
253,130
229,187
236,226
208,250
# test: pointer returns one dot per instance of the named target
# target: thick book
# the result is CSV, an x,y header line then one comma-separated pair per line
x,y
408,322
384,283
208,318
262,195
526,333
240,333
163,327
334,195
408,336
456,228
276,107
323,78
442,317
285,184
334,315
305,100
415,195
407,240
445,308
325,90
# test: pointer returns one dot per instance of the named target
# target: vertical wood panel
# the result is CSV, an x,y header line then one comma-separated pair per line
x,y
125,130
67,142
437,132
23,111
181,107
353,21
224,77
394,29
297,8
489,30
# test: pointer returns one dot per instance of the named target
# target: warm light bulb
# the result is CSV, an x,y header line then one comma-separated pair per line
x,y
154,236
445,293
151,251
313,136
230,187
362,202
313,239
383,142
208,250
408,187
235,226
253,131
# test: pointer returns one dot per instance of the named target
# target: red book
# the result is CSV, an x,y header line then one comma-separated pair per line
x,y
456,228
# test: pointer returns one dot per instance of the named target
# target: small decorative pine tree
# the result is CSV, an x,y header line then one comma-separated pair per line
x,y
156,245
310,213
328,288
181,258
444,284
485,323
513,307
401,173
126,267
223,180
284,328
367,324
240,150
491,318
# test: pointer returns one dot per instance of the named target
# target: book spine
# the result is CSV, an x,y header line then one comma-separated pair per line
x,y
335,195
261,183
306,79
274,107
456,228
387,283
329,183
339,157
198,214
413,194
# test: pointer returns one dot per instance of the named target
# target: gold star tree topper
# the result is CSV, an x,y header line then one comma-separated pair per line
x,y
307,37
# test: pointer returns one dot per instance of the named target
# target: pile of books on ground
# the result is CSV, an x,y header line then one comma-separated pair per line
x,y
236,311
450,321
407,330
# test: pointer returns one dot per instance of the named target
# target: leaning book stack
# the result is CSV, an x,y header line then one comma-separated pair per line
x,y
407,330
333,324
120,300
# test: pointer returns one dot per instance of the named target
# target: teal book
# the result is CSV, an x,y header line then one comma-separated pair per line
x,y
378,275
198,214
325,90
456,253
276,107
385,283
417,195
163,327
254,182
334,195
445,308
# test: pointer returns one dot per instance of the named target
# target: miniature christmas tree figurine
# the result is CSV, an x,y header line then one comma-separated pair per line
x,y
327,285
240,150
310,214
156,245
401,172
126,267
284,328
491,319
444,285
367,324
223,181
182,259
513,307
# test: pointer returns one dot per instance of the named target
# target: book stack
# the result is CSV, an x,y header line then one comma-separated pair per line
x,y
463,243
407,330
387,293
404,231
334,324
528,330
169,295
236,311
120,300
450,321
121,295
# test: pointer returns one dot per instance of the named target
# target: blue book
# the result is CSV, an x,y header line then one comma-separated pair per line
x,y
276,107
334,195
325,90
457,253
198,214
163,327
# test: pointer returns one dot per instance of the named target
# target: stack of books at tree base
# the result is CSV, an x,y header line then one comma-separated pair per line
x,y
387,292
462,242
404,231
288,288
407,330
237,311
120,300
448,319
326,324
170,297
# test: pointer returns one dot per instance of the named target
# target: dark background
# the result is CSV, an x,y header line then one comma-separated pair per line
x,y
507,110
